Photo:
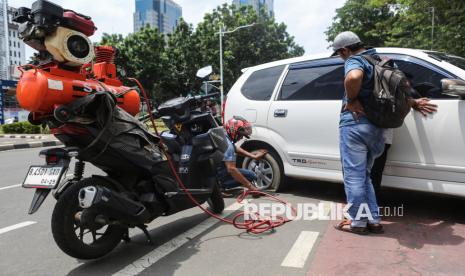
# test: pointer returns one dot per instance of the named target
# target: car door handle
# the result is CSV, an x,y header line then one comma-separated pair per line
x,y
280,113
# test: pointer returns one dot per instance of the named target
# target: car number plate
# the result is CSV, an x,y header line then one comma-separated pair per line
x,y
45,177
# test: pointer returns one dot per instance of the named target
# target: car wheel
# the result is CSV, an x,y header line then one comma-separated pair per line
x,y
269,171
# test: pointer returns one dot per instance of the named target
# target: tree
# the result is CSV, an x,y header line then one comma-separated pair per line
x,y
265,42
414,27
404,23
183,52
370,20
166,65
141,55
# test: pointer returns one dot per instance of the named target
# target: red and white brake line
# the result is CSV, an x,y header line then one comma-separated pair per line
x,y
257,225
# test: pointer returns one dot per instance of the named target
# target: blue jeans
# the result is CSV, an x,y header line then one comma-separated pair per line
x,y
360,145
229,182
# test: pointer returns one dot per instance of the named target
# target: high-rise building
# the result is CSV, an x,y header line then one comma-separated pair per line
x,y
268,5
161,14
12,48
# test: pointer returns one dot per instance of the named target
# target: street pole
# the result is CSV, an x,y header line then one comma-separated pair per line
x,y
221,68
221,33
432,28
5,26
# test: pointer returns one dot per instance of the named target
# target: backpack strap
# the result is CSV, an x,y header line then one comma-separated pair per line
x,y
371,59
376,60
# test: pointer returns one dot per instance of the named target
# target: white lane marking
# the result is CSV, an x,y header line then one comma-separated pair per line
x,y
9,187
236,205
19,185
327,205
300,250
16,226
154,256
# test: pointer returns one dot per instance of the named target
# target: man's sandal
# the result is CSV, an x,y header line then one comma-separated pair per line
x,y
375,228
346,226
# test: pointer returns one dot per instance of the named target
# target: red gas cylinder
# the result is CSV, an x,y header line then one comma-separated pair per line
x,y
41,90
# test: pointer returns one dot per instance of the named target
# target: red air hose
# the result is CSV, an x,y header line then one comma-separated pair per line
x,y
257,225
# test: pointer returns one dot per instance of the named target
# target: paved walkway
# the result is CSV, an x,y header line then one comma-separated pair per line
x,y
21,141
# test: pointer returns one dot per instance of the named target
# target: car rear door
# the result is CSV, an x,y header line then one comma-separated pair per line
x,y
250,97
304,116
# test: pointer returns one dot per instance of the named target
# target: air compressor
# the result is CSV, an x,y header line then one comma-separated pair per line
x,y
69,66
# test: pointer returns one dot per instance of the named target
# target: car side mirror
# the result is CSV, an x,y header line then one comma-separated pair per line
x,y
453,87
204,72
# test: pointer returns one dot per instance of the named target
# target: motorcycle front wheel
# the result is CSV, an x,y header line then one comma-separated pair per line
x,y
74,239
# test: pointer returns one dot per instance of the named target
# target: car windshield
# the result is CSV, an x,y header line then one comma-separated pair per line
x,y
455,60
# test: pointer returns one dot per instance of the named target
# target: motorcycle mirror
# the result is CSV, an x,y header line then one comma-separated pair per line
x,y
204,72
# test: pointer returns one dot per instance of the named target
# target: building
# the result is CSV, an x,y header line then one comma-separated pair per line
x,y
161,14
12,51
268,5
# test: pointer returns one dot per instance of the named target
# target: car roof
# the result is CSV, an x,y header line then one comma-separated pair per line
x,y
381,50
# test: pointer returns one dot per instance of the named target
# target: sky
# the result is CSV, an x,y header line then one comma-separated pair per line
x,y
306,20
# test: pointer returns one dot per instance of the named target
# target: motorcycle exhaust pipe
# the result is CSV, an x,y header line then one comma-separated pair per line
x,y
113,205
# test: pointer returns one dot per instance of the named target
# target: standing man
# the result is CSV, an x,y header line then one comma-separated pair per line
x,y
361,142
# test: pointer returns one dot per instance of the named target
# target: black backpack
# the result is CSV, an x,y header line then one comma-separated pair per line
x,y
389,103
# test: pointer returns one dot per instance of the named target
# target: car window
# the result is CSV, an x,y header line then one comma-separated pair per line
x,y
426,81
317,83
260,84
454,60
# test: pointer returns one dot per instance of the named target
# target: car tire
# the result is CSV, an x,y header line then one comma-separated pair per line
x,y
271,161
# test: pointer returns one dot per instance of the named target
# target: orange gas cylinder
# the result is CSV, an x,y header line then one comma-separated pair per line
x,y
41,90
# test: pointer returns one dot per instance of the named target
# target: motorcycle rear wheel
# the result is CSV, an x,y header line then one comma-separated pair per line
x,y
216,201
71,237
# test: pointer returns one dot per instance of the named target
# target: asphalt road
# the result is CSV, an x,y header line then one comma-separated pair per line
x,y
427,239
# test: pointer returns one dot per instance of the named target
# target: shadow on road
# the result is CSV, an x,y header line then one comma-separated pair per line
x,y
126,253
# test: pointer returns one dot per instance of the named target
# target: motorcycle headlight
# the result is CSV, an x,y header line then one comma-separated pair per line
x,y
70,47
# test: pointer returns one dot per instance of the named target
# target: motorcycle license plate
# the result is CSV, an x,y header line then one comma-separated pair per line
x,y
43,177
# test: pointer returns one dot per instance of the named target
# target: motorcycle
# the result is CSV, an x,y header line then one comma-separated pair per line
x,y
93,115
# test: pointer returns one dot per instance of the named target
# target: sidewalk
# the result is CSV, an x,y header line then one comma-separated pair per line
x,y
428,239
28,136
23,141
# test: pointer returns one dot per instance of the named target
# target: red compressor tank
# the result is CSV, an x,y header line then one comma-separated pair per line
x,y
41,90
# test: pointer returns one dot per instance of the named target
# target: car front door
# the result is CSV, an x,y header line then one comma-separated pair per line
x,y
432,147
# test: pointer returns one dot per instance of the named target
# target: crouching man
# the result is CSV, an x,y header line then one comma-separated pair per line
x,y
228,174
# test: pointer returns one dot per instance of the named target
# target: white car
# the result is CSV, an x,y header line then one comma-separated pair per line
x,y
294,105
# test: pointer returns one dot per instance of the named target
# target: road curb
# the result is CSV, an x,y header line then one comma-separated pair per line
x,y
22,136
30,145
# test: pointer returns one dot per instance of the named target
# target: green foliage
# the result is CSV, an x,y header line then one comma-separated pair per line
x,y
404,23
20,128
370,20
166,65
141,55
265,42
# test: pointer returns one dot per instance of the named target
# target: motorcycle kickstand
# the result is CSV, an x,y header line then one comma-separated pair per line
x,y
126,237
147,235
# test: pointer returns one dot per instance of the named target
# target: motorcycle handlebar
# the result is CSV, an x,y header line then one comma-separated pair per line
x,y
200,98
211,95
145,117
